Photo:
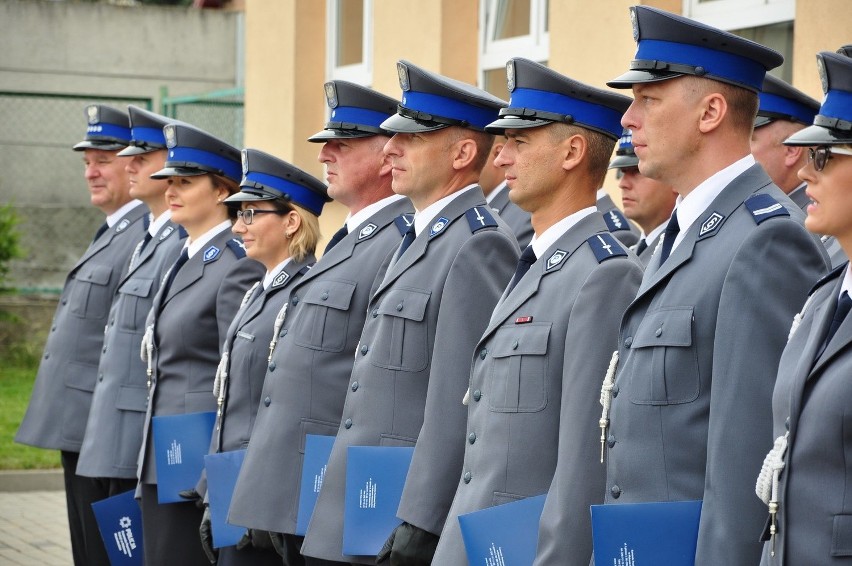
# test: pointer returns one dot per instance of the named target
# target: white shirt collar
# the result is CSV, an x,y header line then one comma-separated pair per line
x,y
270,275
652,235
847,281
423,218
541,244
194,247
159,222
696,202
601,194
355,220
493,194
118,214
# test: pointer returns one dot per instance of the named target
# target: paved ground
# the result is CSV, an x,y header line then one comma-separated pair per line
x,y
34,529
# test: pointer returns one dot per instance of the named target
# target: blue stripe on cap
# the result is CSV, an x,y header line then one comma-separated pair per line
x,y
356,115
300,195
732,67
594,115
109,130
837,104
781,105
448,108
149,135
232,169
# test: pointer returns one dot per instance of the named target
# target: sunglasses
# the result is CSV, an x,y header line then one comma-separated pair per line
x,y
247,215
820,155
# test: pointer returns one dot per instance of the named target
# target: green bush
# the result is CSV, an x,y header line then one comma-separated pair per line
x,y
9,240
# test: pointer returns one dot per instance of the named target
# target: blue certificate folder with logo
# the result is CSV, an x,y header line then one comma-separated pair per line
x,y
120,523
317,452
503,535
180,444
645,534
222,471
375,476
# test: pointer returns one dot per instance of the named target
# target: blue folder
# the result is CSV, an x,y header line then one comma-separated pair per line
x,y
317,452
120,523
222,472
503,535
375,476
644,534
180,444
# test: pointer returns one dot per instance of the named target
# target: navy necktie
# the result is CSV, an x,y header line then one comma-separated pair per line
x,y
669,236
104,227
407,239
524,262
641,246
335,239
844,305
184,255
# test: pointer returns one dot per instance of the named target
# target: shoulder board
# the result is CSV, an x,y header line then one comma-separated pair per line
x,y
402,222
764,206
480,217
605,246
615,220
830,276
237,247
305,269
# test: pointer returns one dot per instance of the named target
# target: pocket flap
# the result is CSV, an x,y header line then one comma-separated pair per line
x,y
666,327
841,537
405,303
313,426
521,340
137,287
132,398
96,274
332,294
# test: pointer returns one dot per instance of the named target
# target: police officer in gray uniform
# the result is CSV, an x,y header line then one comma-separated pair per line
x,y
551,336
114,431
432,303
279,227
806,476
189,319
699,346
308,373
493,184
647,202
62,394
621,228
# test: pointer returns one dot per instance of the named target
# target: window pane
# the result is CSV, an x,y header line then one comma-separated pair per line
x,y
350,32
512,18
778,37
494,81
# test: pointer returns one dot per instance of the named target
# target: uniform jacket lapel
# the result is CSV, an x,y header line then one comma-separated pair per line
x,y
839,341
291,270
123,224
500,200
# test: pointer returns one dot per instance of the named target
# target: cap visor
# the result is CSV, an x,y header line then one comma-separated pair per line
x,y
511,123
102,145
326,135
246,196
137,150
403,125
630,78
762,121
167,172
818,135
623,161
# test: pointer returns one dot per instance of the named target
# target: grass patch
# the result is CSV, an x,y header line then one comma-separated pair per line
x,y
17,375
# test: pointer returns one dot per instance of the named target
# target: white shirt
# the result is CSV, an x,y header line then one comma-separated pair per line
x,y
423,218
194,247
270,275
847,282
118,214
693,206
493,194
653,234
541,244
355,220
159,222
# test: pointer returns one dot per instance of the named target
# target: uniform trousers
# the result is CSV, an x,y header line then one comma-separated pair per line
x,y
87,546
171,531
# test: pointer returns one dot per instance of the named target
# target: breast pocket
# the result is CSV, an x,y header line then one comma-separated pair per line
x,y
135,303
665,365
517,379
324,320
90,295
402,339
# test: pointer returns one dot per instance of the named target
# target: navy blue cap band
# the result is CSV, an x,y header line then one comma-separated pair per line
x,y
582,112
109,130
301,196
774,104
719,64
232,169
837,104
148,135
357,115
448,108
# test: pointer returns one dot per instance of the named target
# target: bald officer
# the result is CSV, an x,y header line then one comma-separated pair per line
x,y
62,395
432,303
647,202
551,335
308,373
493,183
690,413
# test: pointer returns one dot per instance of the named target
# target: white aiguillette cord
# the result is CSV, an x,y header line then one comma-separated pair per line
x,y
766,487
606,399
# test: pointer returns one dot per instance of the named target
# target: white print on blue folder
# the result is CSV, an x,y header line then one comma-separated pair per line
x,y
626,558
173,454
495,557
124,537
318,479
368,495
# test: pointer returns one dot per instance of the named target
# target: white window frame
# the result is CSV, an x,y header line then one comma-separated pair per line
x,y
360,73
493,54
740,14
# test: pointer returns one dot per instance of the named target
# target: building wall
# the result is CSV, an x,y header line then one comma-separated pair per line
x,y
820,25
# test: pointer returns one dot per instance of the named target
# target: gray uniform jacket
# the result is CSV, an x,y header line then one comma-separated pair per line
x,y
532,375
516,217
307,379
190,325
59,406
114,431
648,252
626,232
811,401
699,350
412,365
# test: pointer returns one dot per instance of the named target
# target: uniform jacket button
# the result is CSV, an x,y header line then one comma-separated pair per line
x,y
467,477
295,300
324,296
347,423
482,353
267,400
628,341
364,350
271,366
614,391
658,332
787,423
399,307
375,313
615,491
471,437
477,395
611,441
354,386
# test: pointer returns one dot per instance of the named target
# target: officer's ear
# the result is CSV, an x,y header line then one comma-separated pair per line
x,y
574,150
794,155
464,153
